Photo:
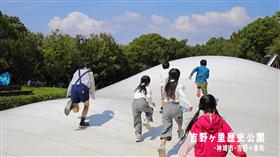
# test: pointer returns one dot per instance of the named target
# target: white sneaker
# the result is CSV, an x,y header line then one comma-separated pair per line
x,y
139,137
146,124
180,134
161,151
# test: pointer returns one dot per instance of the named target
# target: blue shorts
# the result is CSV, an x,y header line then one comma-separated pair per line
x,y
79,93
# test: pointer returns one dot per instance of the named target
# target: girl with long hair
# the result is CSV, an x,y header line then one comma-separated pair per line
x,y
142,101
209,132
173,94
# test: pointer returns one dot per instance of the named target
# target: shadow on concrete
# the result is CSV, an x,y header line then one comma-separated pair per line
x,y
100,119
175,149
153,133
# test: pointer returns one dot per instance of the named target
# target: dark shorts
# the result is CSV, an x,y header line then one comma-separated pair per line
x,y
79,93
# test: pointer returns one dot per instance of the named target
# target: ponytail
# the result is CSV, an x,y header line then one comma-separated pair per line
x,y
145,80
207,103
191,123
142,88
172,83
217,112
170,88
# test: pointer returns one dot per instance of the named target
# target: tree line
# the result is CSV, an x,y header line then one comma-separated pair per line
x,y
53,58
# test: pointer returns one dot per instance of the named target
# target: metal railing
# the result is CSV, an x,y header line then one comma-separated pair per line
x,y
274,61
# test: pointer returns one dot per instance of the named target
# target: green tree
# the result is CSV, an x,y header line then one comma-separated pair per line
x,y
216,46
275,46
177,49
20,49
26,61
3,64
147,51
254,39
10,27
61,57
152,49
198,50
109,64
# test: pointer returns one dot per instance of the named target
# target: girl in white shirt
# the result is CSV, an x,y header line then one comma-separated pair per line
x,y
81,86
141,103
163,80
173,92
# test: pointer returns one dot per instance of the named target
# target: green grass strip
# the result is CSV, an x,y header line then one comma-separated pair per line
x,y
38,94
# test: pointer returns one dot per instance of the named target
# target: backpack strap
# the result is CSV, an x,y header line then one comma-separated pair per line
x,y
80,76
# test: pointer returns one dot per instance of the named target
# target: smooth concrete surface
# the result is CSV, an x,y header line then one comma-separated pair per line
x,y
248,94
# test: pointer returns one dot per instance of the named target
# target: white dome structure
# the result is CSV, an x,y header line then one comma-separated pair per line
x,y
248,94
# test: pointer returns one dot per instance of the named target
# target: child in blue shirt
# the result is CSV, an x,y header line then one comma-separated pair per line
x,y
202,74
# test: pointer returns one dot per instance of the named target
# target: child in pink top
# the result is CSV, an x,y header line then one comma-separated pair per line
x,y
209,134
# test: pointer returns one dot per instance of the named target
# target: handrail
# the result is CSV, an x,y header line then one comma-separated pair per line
x,y
272,59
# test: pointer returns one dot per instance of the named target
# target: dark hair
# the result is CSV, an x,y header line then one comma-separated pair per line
x,y
203,62
85,64
165,65
207,103
172,83
145,80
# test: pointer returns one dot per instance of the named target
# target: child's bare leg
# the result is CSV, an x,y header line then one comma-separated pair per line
x,y
163,141
161,102
86,107
75,107
198,92
84,114
161,149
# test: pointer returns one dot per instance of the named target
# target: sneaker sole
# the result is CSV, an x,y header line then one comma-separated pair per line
x,y
83,127
66,111
67,108
161,153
